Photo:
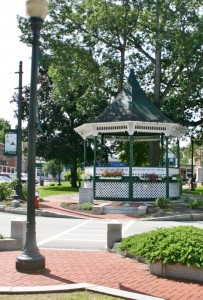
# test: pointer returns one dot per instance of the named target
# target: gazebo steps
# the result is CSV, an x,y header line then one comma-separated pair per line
x,y
126,210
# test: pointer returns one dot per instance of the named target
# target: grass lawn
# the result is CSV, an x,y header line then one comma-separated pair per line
x,y
61,296
53,188
198,191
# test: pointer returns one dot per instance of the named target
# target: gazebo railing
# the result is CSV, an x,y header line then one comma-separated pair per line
x,y
136,171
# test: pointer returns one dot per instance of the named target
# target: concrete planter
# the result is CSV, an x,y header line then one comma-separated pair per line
x,y
97,209
85,195
176,270
10,244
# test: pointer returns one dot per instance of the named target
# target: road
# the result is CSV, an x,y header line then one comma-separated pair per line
x,y
82,234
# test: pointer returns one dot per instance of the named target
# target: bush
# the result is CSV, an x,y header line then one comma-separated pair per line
x,y
85,206
193,203
181,244
162,202
6,190
67,175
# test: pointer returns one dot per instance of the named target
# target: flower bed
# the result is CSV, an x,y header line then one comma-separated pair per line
x,y
112,174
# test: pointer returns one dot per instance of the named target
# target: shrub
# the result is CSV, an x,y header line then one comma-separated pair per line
x,y
1,237
162,202
6,190
181,244
67,175
193,203
85,206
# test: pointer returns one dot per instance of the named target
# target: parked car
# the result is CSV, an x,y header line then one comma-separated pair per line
x,y
5,179
24,178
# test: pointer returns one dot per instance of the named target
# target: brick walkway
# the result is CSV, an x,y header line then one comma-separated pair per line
x,y
95,267
100,268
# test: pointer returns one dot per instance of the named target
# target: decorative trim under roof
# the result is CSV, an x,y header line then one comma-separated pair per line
x,y
89,130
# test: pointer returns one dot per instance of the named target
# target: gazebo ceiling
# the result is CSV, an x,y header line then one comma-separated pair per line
x,y
131,112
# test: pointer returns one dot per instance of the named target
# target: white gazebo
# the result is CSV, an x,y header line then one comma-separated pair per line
x,y
133,117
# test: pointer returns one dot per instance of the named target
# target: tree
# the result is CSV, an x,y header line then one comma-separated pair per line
x,y
162,39
4,125
52,167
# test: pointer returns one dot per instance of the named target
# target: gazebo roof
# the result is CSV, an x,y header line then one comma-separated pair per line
x,y
131,112
132,104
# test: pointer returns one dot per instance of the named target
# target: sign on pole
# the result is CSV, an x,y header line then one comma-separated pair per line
x,y
10,142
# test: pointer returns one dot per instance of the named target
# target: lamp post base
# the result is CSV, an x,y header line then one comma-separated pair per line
x,y
30,262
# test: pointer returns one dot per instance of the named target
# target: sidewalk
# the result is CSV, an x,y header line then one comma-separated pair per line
x,y
101,271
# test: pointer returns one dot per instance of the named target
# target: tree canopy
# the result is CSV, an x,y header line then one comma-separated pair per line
x,y
89,46
4,125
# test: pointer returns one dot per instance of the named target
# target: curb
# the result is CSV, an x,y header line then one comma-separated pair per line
x,y
77,287
44,213
186,217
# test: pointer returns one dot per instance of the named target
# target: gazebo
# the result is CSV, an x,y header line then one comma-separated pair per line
x,y
133,117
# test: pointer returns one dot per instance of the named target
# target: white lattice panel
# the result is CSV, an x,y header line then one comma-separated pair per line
x,y
111,190
149,190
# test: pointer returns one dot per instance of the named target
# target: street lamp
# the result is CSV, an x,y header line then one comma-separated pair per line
x,y
31,260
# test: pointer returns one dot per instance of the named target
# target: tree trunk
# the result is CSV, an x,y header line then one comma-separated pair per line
x,y
154,148
154,153
74,174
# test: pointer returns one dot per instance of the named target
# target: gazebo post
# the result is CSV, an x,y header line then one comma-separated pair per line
x,y
102,147
130,168
85,153
167,170
162,149
178,154
95,163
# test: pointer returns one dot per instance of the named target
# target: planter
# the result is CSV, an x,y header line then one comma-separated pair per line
x,y
176,270
9,244
111,178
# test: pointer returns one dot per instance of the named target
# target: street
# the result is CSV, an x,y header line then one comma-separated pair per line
x,y
82,234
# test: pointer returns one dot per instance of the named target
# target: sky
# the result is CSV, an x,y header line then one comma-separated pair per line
x,y
12,51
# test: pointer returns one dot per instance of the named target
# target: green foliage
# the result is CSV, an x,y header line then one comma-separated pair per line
x,y
181,244
193,203
67,175
24,191
6,190
162,202
1,237
4,125
53,167
85,206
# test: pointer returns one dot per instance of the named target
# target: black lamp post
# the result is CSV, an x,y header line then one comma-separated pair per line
x,y
192,170
19,136
31,260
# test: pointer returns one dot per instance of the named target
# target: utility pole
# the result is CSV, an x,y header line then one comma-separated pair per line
x,y
19,135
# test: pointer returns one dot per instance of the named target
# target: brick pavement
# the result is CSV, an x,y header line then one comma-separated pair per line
x,y
100,268
94,267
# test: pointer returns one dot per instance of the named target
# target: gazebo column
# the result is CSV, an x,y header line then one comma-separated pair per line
x,y
102,149
95,164
130,168
167,170
178,154
162,150
85,153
